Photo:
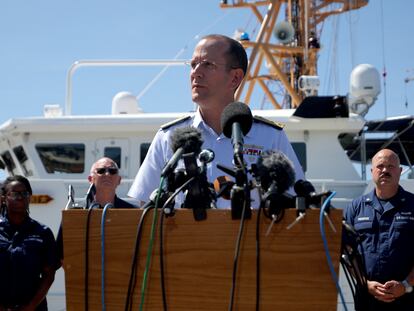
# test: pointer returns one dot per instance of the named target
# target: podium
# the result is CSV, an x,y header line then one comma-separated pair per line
x,y
198,261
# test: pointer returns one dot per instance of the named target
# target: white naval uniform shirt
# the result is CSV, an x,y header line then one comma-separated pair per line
x,y
261,137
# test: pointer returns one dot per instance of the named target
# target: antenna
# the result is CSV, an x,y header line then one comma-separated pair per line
x,y
295,52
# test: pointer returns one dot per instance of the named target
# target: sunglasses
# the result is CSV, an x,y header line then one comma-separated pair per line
x,y
14,195
104,170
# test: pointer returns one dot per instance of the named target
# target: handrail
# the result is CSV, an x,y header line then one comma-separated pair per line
x,y
108,63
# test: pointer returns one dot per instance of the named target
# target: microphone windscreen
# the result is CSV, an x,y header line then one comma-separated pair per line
x,y
274,166
303,188
236,112
188,138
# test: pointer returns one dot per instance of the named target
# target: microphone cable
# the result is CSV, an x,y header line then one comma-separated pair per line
x,y
236,256
325,246
132,277
86,275
258,258
162,274
107,205
150,245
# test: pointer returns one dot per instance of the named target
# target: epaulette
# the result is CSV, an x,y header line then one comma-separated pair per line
x,y
276,125
174,122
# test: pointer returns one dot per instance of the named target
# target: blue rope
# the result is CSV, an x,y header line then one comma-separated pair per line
x,y
325,246
108,205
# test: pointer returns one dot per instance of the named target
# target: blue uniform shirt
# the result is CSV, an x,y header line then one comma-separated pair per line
x,y
388,237
261,137
24,251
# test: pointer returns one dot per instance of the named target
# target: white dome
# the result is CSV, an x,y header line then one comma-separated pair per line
x,y
365,83
125,103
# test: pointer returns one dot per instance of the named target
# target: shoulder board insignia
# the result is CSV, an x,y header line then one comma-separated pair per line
x,y
276,125
175,122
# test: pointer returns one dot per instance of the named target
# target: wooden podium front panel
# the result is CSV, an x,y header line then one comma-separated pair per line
x,y
198,261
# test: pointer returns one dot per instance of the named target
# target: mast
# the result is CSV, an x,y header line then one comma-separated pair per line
x,y
286,46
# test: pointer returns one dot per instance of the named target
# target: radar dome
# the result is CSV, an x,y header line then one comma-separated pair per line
x,y
125,103
365,82
364,88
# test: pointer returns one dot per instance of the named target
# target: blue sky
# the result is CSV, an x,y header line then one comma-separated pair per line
x,y
41,39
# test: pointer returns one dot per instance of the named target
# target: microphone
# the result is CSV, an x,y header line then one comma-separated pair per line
x,y
236,122
206,156
276,175
71,197
305,189
222,185
183,140
274,168
90,195
199,195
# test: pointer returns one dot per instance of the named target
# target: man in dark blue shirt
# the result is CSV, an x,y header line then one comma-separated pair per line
x,y
384,219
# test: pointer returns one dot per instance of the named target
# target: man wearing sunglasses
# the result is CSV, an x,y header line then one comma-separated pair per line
x,y
104,175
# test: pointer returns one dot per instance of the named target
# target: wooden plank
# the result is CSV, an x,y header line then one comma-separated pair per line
x,y
199,261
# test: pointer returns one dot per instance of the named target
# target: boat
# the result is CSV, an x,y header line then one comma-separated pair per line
x,y
55,151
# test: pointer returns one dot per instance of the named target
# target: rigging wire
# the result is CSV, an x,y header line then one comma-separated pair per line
x,y
406,96
384,70
351,37
180,52
330,74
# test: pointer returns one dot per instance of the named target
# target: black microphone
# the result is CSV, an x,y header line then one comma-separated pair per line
x,y
305,189
276,174
274,167
183,140
236,122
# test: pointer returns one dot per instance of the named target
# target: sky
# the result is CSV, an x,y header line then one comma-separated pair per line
x,y
40,40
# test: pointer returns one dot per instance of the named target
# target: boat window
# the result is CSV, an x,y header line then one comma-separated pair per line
x,y
62,158
22,157
143,151
113,153
8,161
300,150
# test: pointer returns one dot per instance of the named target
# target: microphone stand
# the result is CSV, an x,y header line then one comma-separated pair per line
x,y
197,197
240,192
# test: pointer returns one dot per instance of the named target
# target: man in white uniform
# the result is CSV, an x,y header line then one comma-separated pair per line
x,y
218,67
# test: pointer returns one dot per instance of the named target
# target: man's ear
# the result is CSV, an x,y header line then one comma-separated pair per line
x,y
90,178
238,76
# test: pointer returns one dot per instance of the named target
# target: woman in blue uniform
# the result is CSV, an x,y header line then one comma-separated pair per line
x,y
28,257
